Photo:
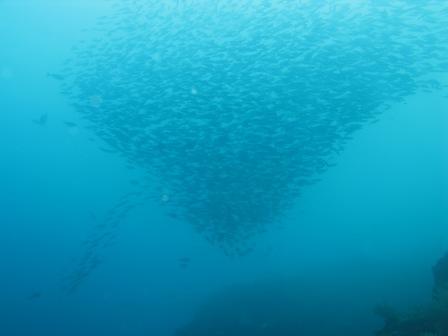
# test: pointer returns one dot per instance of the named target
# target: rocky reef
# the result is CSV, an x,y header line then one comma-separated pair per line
x,y
430,320
307,305
281,306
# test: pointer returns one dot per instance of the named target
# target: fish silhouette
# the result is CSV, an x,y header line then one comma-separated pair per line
x,y
55,76
70,124
34,296
184,262
42,120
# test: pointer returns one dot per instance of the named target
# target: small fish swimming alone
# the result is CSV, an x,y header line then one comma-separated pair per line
x,y
70,124
34,296
184,262
55,76
42,120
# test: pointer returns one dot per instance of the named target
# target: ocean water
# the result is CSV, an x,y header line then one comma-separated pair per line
x,y
193,167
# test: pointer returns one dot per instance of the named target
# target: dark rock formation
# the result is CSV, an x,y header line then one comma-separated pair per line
x,y
440,273
431,320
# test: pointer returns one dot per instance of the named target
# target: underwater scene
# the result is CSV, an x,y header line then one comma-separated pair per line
x,y
223,168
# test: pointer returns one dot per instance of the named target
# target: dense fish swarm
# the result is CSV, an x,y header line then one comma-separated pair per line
x,y
234,106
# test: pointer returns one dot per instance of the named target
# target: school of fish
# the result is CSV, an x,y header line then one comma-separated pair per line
x,y
234,106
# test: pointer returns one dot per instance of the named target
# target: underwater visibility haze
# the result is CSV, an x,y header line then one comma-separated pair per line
x,y
228,168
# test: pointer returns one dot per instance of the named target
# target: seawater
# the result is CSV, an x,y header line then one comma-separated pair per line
x,y
221,168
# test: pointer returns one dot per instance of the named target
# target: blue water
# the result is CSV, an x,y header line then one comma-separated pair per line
x,y
108,230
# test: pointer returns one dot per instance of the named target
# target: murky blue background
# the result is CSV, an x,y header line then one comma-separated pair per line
x,y
371,229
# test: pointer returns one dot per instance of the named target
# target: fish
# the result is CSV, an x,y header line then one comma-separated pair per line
x,y
34,296
237,116
70,124
42,120
184,262
56,76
